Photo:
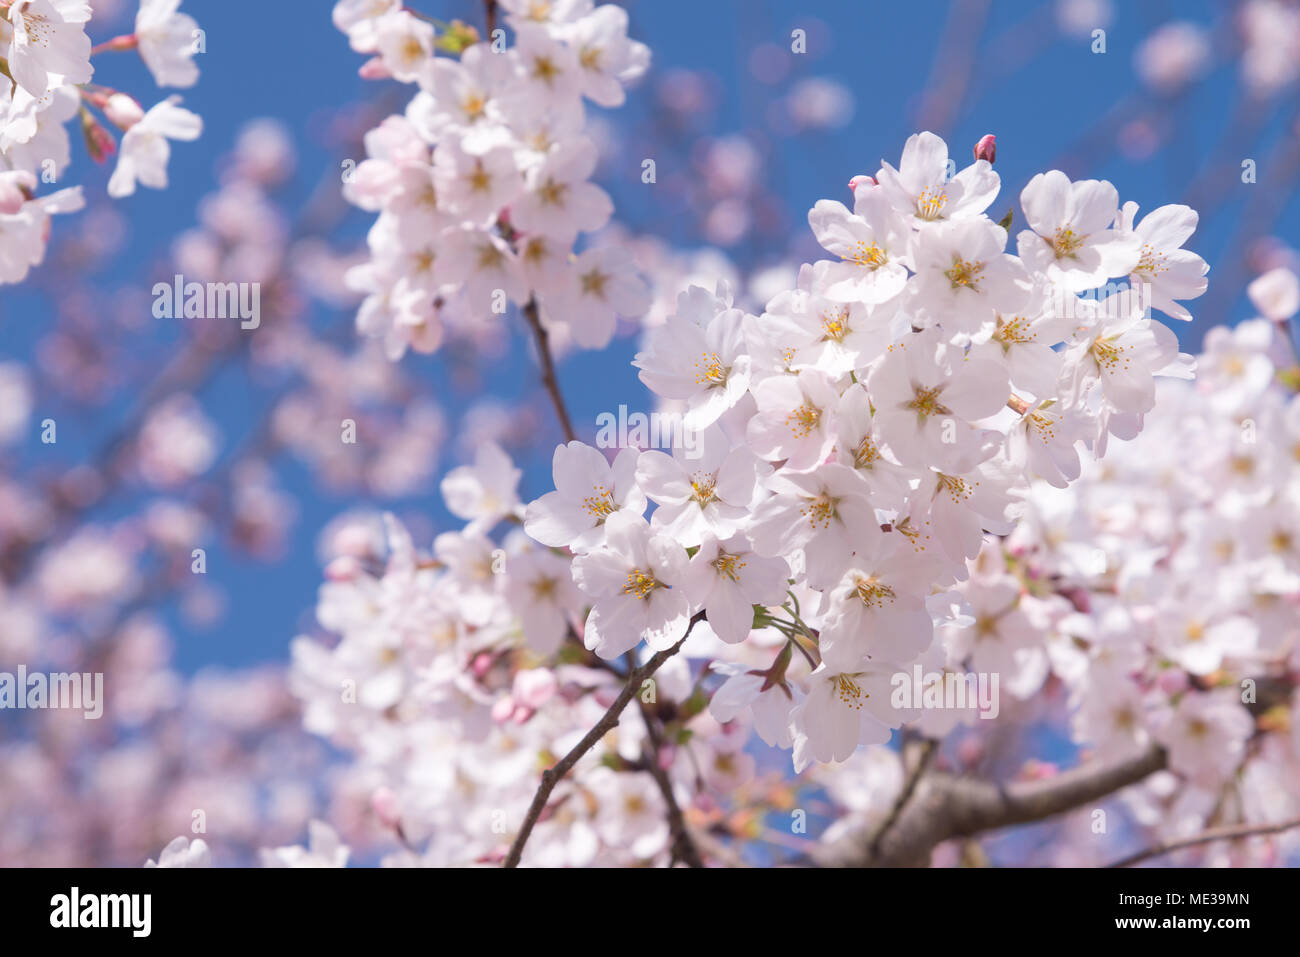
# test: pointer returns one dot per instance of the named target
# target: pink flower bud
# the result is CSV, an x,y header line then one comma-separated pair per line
x,y
123,111
99,141
863,180
342,569
15,189
1172,681
667,754
533,687
481,664
384,803
987,148
374,69
1080,598
503,709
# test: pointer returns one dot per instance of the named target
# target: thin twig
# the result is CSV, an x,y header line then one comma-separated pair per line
x,y
684,848
1234,832
549,380
552,775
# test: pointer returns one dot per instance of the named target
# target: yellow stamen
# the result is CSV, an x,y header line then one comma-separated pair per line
x,y
804,420
926,402
930,204
873,593
600,503
965,274
640,584
849,691
709,370
1066,243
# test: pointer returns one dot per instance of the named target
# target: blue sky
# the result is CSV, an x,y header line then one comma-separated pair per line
x,y
1047,97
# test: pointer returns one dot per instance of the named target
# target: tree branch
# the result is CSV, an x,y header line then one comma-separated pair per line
x,y
531,314
1214,834
928,751
684,848
552,775
946,807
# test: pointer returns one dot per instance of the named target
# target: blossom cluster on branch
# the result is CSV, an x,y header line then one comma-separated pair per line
x,y
45,57
482,184
946,493
854,494
861,436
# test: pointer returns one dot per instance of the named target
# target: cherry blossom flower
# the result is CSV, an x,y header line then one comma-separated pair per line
x,y
485,492
559,202
588,490
878,608
698,355
795,418
927,398
1124,351
182,853
704,489
1165,271
607,58
844,710
825,513
727,579
769,703
167,42
921,189
637,581
323,850
1205,734
145,148
963,276
602,285
24,222
872,244
48,46
1070,236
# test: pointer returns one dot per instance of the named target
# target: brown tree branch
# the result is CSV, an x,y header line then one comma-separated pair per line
x,y
684,848
928,750
531,314
552,775
1205,837
945,806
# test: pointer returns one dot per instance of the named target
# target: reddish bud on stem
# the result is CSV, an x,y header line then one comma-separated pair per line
x,y
857,181
99,141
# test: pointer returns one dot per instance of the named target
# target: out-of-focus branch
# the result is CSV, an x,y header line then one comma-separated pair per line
x,y
552,775
549,380
945,807
684,848
1234,832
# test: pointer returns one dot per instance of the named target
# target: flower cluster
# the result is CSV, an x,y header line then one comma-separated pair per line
x,y
1151,605
46,56
849,451
1182,558
483,185
860,437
